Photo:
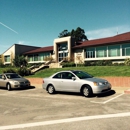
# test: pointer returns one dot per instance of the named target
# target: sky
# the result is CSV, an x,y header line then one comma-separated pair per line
x,y
39,22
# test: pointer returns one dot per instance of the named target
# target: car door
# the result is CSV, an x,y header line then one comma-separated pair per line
x,y
68,84
2,81
57,81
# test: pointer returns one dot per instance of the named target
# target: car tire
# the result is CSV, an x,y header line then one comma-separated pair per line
x,y
87,91
8,87
51,89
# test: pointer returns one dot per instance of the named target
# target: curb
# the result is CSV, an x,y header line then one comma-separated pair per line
x,y
127,91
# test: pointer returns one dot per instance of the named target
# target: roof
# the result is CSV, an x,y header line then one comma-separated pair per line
x,y
42,49
125,37
34,47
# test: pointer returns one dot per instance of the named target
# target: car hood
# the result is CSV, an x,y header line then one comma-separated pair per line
x,y
19,79
95,79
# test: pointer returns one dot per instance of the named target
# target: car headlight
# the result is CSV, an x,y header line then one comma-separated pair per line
x,y
100,83
16,83
97,83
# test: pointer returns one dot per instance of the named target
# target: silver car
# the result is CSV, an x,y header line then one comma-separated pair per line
x,y
75,81
13,80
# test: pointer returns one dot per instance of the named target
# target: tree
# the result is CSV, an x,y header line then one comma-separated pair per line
x,y
19,61
64,33
78,34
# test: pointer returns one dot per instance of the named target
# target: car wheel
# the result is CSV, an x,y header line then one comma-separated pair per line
x,y
8,87
51,89
87,91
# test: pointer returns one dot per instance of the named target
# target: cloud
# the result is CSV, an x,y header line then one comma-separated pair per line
x,y
8,27
107,32
21,42
24,42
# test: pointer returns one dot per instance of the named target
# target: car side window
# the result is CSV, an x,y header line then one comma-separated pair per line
x,y
57,76
0,76
67,75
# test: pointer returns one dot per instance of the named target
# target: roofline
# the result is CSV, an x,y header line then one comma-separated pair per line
x,y
19,45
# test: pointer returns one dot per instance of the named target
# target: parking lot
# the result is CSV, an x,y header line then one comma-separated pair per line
x,y
35,109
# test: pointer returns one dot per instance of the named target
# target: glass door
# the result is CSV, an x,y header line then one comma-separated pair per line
x,y
62,55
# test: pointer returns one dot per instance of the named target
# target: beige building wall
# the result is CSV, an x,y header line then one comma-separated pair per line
x,y
61,40
10,52
79,56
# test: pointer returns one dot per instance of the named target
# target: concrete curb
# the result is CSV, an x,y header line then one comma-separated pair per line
x,y
127,91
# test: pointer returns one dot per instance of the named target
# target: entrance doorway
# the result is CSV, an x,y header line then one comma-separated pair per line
x,y
62,55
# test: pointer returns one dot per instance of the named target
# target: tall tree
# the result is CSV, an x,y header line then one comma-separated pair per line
x,y
78,34
64,33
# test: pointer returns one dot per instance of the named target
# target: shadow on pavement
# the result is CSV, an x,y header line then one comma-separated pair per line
x,y
112,92
17,89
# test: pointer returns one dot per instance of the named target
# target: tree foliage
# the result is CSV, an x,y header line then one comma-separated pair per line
x,y
78,34
19,61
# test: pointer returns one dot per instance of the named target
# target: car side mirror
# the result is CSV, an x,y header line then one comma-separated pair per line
x,y
3,77
73,78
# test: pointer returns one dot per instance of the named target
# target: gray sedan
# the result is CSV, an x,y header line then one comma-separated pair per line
x,y
75,81
13,80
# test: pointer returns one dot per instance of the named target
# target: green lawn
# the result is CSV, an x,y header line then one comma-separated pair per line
x,y
97,71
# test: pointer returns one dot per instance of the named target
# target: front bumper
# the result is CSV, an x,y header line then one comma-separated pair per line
x,y
102,89
21,85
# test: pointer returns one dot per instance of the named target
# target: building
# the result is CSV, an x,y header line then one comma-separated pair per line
x,y
15,49
116,48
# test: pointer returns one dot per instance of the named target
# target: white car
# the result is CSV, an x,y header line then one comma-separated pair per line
x,y
75,81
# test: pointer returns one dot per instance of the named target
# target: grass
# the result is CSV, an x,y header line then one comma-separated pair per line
x,y
96,71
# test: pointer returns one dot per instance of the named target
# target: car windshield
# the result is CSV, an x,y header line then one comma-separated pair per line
x,y
11,76
82,75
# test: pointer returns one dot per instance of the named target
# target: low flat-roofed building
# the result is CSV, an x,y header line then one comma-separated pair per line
x,y
115,48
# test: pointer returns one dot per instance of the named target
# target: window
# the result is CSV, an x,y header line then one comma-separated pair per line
x,y
64,75
82,75
7,58
90,53
58,76
36,57
30,58
114,50
126,50
62,46
101,51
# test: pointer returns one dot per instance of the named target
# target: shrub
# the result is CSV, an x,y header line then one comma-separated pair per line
x,y
127,61
115,64
100,63
80,65
9,70
107,62
1,64
68,64
121,64
23,71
